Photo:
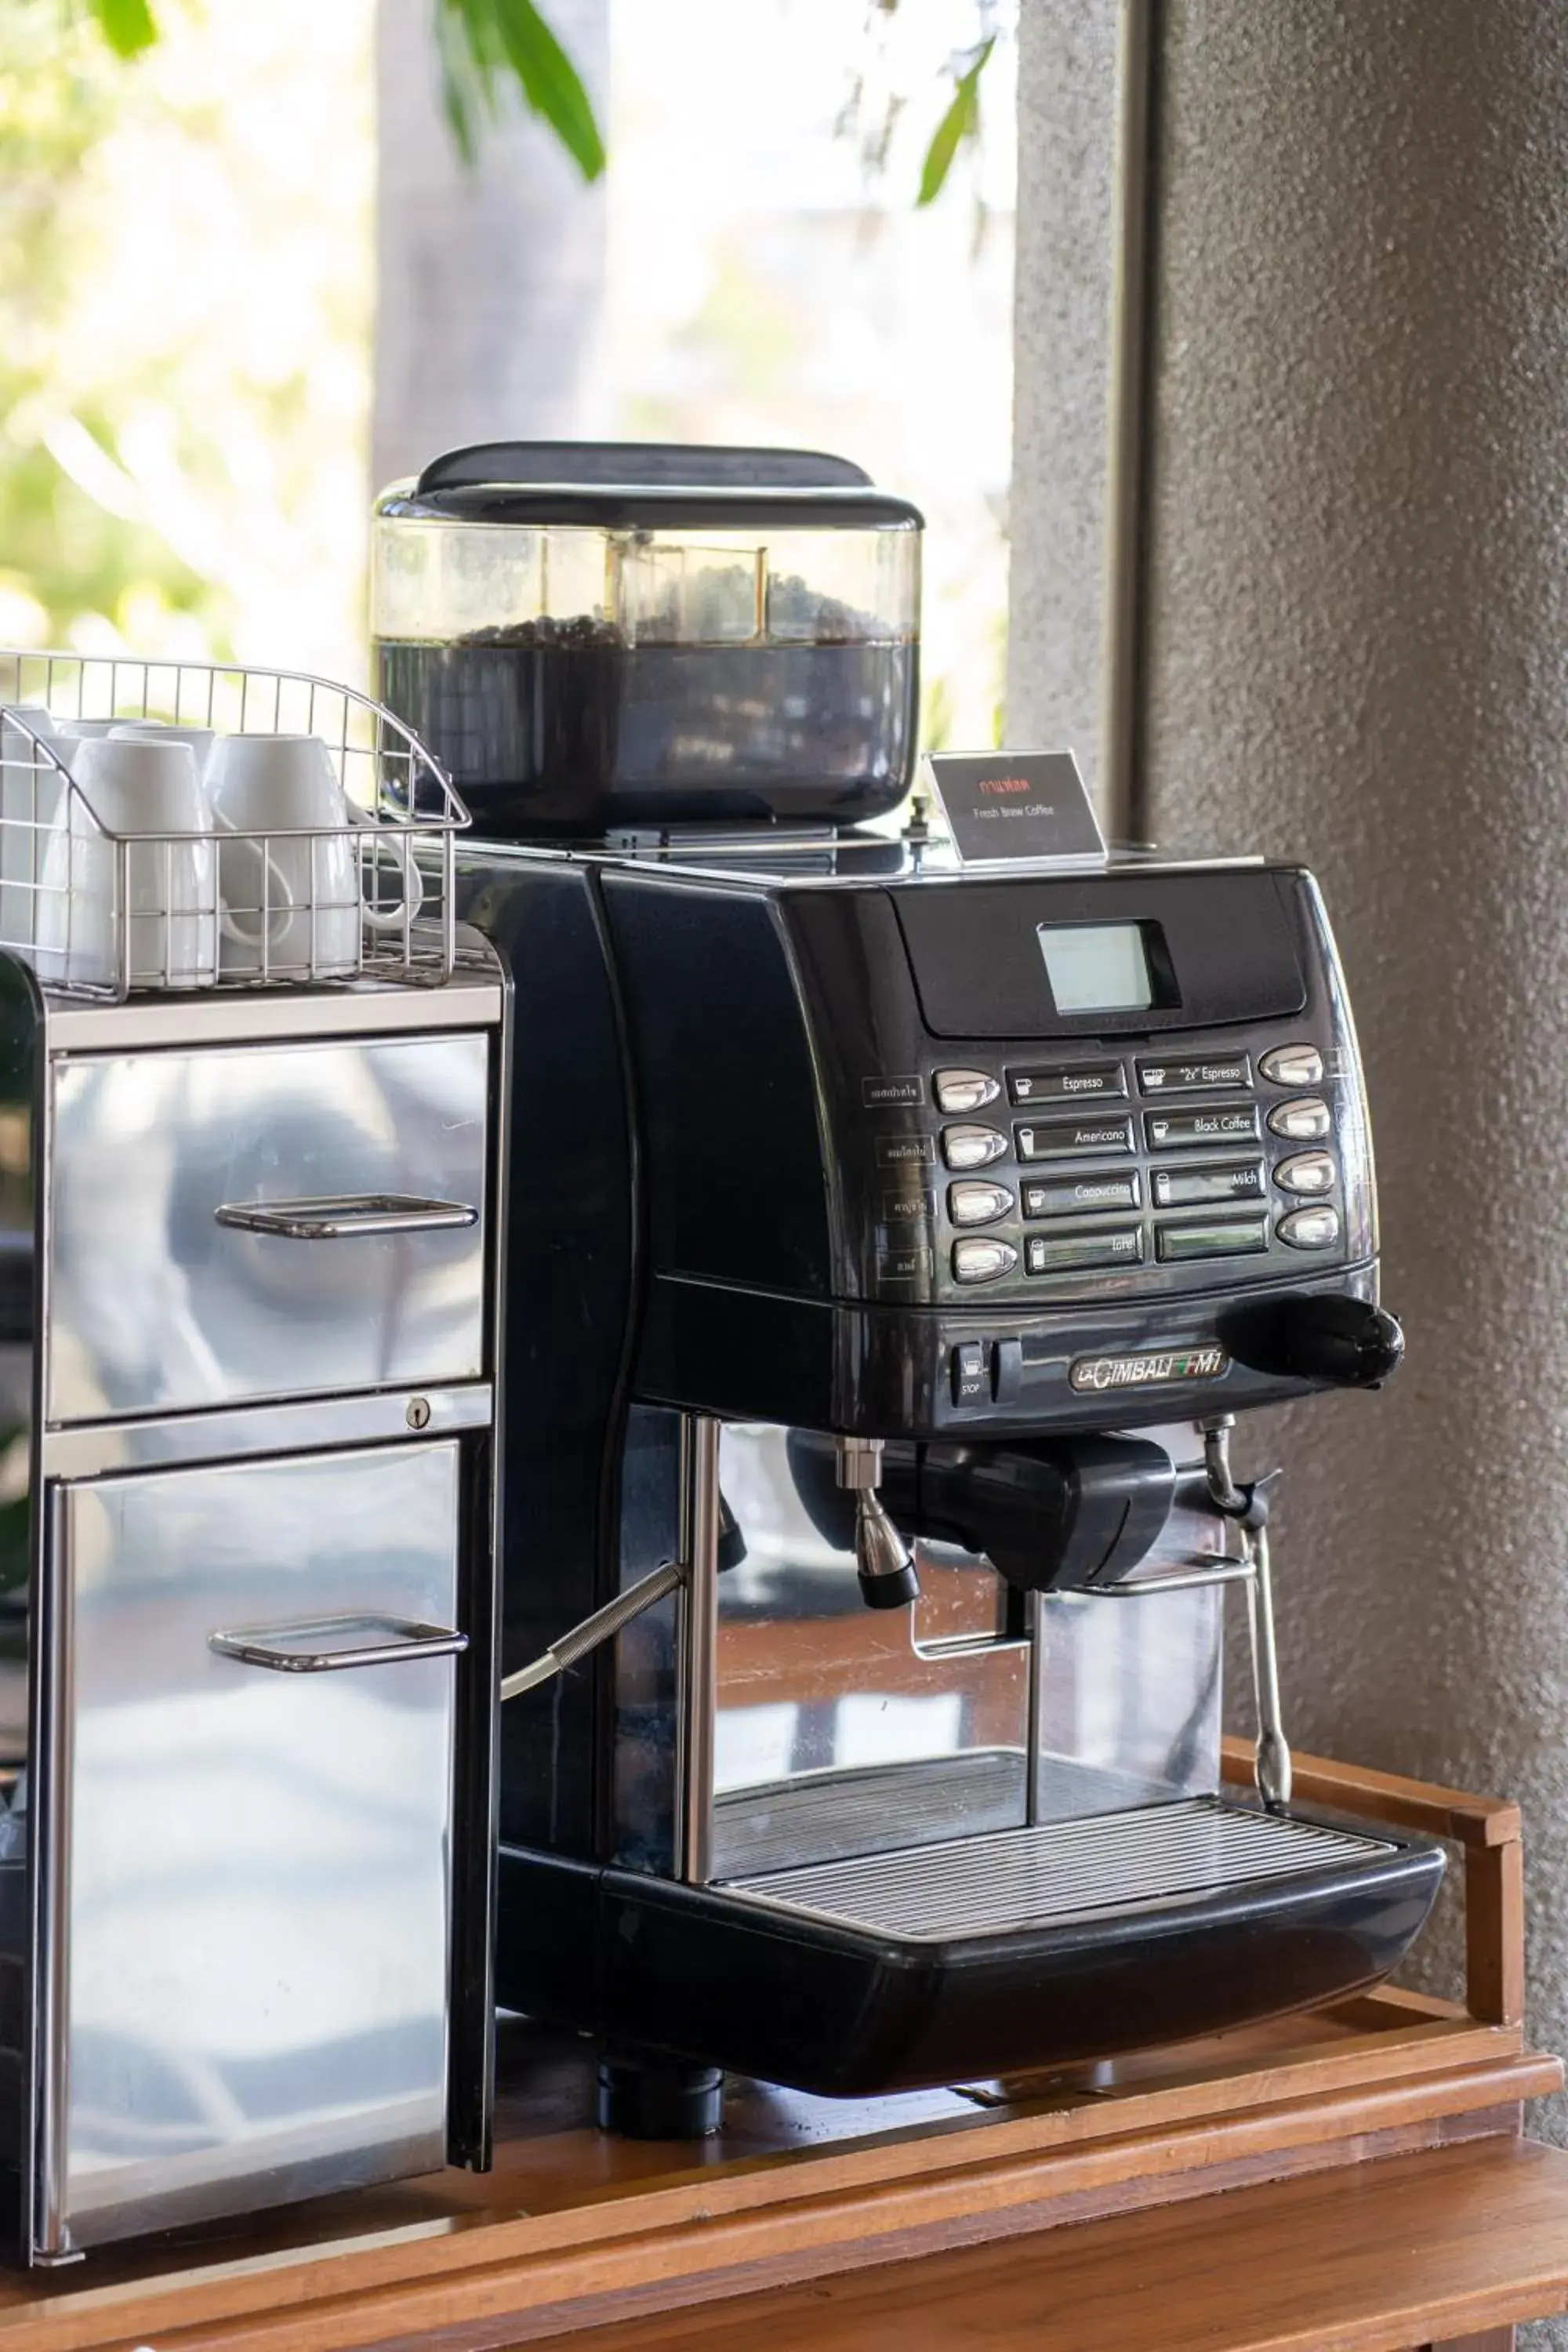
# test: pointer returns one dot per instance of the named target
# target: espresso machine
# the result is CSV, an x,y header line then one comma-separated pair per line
x,y
891,1250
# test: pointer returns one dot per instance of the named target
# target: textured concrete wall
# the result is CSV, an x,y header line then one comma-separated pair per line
x,y
1066,88
1357,651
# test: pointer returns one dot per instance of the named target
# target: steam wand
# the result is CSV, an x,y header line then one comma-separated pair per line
x,y
883,1560
1247,1505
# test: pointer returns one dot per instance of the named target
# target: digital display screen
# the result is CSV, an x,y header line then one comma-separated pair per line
x,y
1097,967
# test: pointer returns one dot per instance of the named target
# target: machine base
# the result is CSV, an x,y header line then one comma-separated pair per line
x,y
649,2098
1018,1950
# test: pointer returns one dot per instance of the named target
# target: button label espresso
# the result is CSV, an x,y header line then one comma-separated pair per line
x,y
1067,1085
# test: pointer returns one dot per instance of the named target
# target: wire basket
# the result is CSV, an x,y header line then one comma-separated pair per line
x,y
121,872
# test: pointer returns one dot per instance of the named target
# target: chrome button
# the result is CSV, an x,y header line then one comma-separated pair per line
x,y
965,1089
982,1261
977,1204
973,1147
1292,1065
1306,1172
1309,1229
1305,1120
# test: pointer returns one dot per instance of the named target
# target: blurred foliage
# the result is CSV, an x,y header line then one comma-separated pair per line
x,y
62,553
961,121
486,44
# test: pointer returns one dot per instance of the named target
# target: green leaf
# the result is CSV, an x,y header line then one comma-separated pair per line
x,y
510,37
128,26
961,121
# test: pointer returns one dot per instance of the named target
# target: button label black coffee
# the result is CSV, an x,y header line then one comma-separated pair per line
x,y
1168,1128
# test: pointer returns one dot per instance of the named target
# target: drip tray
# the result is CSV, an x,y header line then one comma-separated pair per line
x,y
1062,1873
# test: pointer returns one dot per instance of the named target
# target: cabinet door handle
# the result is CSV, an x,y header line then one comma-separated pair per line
x,y
260,1645
334,1220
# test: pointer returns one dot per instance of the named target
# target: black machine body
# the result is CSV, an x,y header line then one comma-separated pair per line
x,y
827,1147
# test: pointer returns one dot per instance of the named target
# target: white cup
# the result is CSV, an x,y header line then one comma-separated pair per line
x,y
279,785
137,785
30,790
153,731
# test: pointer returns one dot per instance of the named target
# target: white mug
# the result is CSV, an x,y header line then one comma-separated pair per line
x,y
200,739
30,790
279,785
136,785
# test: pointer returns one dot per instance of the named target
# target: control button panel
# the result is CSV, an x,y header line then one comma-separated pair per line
x,y
1076,1196
1174,1130
1306,1172
905,1151
898,1210
1225,1070
1195,1188
1292,1065
983,1259
961,1091
971,1373
1227,1238
977,1204
1112,1161
1071,1253
1309,1229
1304,1120
973,1147
894,1094
900,1264
1073,1139
1079,1081
985,1371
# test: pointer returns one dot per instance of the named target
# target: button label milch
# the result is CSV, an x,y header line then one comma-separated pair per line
x,y
1189,1077
1083,1081
1193,1188
1065,1139
1075,1253
1168,1129
1077,1195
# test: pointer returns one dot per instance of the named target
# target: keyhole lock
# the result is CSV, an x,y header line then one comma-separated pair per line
x,y
419,1414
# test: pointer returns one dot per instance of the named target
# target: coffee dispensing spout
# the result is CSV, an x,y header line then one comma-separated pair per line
x,y
883,1560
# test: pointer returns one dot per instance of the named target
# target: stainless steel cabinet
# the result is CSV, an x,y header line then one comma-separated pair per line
x,y
253,1869
270,1221
247,1596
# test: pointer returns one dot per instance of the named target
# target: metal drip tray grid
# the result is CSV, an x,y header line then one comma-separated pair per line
x,y
1061,1873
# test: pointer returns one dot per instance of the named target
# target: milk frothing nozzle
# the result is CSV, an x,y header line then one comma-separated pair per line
x,y
883,1560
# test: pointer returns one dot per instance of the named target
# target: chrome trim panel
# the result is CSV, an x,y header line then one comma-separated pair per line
x,y
471,998
157,1307
93,1448
268,1645
259,1864
698,1607
1053,1877
345,1215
